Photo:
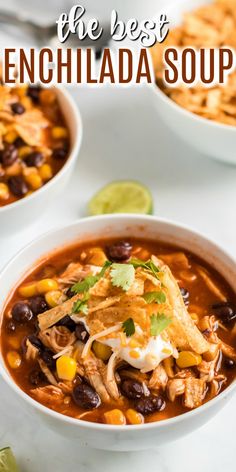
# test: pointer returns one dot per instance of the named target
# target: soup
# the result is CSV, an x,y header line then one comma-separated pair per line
x,y
34,140
121,332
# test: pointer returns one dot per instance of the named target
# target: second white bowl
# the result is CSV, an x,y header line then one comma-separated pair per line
x,y
213,139
21,213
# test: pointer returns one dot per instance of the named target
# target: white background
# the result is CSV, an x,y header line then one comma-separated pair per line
x,y
124,138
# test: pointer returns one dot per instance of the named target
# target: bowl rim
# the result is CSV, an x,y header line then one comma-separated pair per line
x,y
157,90
73,153
100,426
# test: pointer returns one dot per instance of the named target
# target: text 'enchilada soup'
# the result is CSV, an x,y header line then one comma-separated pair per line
x,y
121,332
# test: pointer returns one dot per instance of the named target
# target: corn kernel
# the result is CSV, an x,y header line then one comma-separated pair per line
x,y
14,169
34,180
188,359
168,366
24,151
134,417
28,290
101,350
54,298
10,136
59,132
46,285
115,417
66,368
194,317
47,97
134,354
13,359
96,256
133,343
45,172
4,191
14,342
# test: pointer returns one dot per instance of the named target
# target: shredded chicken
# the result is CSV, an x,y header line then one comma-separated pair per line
x,y
48,374
48,395
31,351
195,391
175,388
57,338
76,272
159,378
93,367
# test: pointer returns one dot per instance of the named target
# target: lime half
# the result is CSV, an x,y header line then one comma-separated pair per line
x,y
123,196
7,461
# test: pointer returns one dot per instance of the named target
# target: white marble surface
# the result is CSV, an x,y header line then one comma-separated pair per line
x,y
123,138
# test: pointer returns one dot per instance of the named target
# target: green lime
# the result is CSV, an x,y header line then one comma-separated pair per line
x,y
123,196
7,461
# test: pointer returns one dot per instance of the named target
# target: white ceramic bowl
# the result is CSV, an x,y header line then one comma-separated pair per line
x,y
118,438
213,139
18,215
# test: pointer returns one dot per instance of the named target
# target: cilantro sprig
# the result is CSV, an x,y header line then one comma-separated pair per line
x,y
148,265
155,297
90,280
128,327
81,305
159,322
122,275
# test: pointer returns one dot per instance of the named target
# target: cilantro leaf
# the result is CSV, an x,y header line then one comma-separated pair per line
x,y
128,327
155,297
90,280
85,284
159,322
148,265
81,305
122,275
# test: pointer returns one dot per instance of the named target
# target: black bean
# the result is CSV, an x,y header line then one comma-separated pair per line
x,y
21,312
67,322
59,153
185,295
34,159
38,304
224,311
36,342
8,155
81,332
85,396
11,327
47,356
33,92
18,108
229,363
132,389
120,251
18,186
36,377
69,293
148,405
19,142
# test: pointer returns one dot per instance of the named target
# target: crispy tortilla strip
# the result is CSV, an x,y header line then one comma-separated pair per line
x,y
30,127
51,317
182,332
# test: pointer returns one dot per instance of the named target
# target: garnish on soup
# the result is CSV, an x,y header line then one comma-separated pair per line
x,y
34,141
118,336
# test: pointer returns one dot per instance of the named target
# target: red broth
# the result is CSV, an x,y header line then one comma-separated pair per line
x,y
200,300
